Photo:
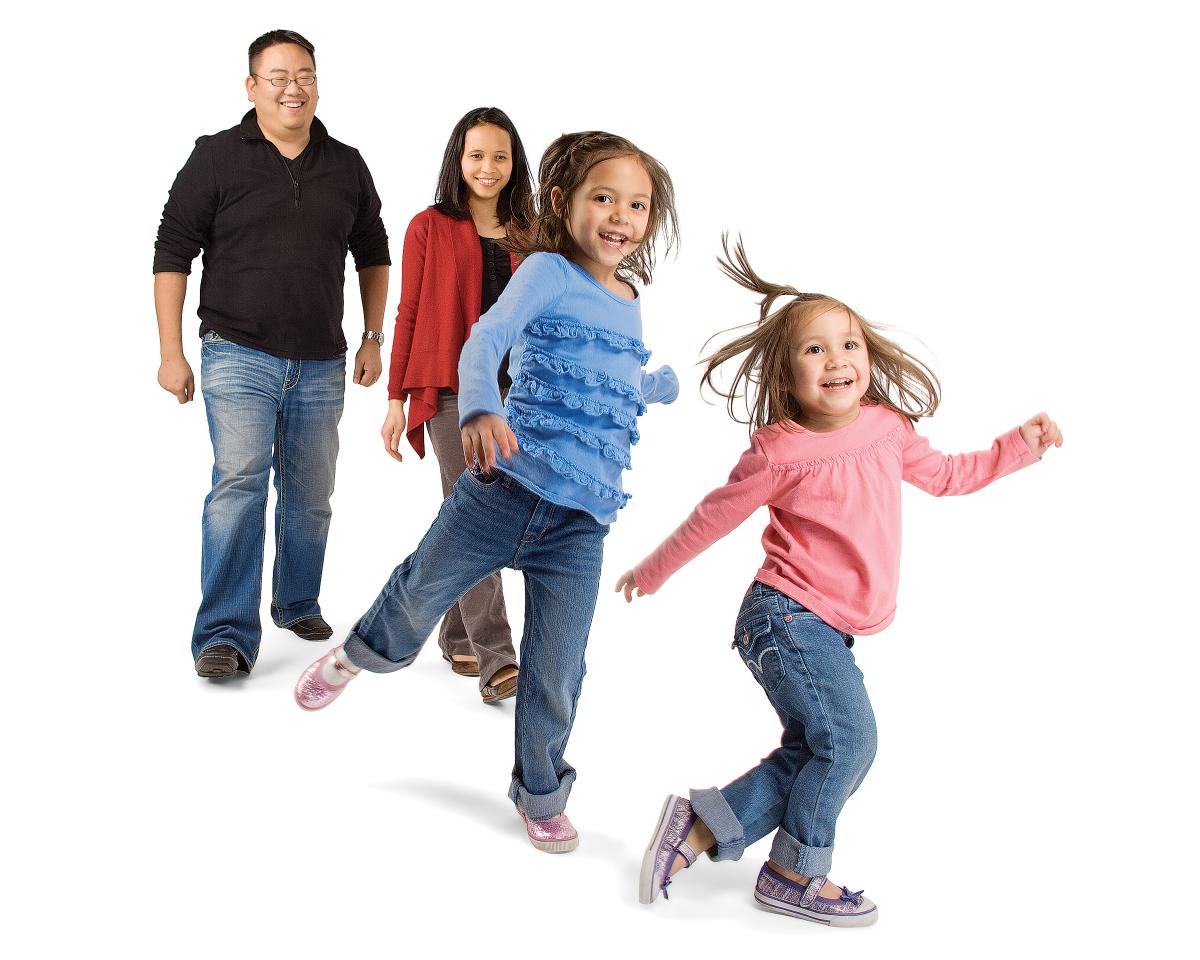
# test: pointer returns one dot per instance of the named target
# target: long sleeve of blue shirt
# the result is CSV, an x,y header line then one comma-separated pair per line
x,y
578,385
532,290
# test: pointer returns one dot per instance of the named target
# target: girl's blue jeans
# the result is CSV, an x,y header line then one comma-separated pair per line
x,y
488,523
808,672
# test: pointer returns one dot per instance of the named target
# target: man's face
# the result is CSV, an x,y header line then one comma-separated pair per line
x,y
286,109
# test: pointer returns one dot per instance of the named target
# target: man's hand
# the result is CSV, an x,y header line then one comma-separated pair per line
x,y
392,430
481,436
1040,433
628,585
175,376
367,365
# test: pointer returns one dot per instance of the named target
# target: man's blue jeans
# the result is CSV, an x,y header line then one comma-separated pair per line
x,y
488,523
265,413
808,672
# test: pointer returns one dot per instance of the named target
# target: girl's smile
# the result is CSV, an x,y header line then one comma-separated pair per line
x,y
831,370
607,215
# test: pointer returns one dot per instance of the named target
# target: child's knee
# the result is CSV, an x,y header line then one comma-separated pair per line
x,y
854,752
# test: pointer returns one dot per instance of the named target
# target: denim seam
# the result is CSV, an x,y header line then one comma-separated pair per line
x,y
529,535
828,726
281,472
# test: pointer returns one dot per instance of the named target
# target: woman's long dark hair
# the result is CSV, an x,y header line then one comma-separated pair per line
x,y
516,199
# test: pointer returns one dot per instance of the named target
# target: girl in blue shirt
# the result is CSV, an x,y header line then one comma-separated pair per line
x,y
545,466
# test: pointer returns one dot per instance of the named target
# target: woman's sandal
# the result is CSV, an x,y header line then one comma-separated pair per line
x,y
464,668
494,692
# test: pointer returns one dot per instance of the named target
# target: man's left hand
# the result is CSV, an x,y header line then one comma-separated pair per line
x,y
367,365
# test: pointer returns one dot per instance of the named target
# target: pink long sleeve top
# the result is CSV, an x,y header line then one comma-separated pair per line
x,y
833,543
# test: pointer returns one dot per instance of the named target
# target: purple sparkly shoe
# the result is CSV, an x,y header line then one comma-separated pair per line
x,y
553,835
669,841
803,900
313,691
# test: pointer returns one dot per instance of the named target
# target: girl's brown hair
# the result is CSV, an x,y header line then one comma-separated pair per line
x,y
565,165
899,381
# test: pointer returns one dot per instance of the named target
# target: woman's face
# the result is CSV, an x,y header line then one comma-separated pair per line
x,y
487,161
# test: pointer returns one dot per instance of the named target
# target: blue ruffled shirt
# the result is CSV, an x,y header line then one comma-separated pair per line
x,y
578,385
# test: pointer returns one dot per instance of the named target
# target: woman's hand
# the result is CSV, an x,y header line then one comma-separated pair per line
x,y
392,430
481,436
1040,433
628,584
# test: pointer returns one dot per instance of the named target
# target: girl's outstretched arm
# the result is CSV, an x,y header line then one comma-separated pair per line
x,y
723,510
1040,433
944,475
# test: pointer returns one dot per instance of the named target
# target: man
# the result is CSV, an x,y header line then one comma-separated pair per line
x,y
274,203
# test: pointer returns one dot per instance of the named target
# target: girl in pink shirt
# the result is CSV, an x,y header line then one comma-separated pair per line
x,y
833,402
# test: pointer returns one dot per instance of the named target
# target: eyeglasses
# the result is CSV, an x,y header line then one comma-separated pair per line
x,y
306,81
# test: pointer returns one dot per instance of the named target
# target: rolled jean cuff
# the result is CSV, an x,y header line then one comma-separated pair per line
x,y
710,806
307,610
790,853
362,656
543,806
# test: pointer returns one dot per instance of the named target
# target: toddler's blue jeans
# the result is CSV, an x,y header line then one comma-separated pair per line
x,y
808,672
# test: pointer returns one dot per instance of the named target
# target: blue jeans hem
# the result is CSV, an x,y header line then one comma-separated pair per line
x,y
293,619
710,806
359,653
789,852
542,806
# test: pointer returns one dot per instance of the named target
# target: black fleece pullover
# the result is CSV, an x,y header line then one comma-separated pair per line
x,y
274,236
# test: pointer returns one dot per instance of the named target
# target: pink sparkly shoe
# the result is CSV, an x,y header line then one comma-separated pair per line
x,y
554,835
314,691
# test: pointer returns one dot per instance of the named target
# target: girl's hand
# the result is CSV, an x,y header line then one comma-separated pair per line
x,y
481,436
392,430
628,584
1040,433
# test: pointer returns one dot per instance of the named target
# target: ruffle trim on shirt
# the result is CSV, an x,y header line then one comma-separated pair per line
x,y
528,417
893,438
569,329
593,378
577,401
565,468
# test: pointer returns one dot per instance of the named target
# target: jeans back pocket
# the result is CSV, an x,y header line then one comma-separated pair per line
x,y
755,643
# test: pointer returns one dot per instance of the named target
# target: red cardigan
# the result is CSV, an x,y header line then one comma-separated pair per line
x,y
441,287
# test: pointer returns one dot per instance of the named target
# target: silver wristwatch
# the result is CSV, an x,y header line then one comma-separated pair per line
x,y
372,335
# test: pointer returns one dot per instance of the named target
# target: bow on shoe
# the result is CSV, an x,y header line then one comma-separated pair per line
x,y
854,899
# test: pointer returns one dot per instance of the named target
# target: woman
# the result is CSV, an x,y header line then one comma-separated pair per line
x,y
454,269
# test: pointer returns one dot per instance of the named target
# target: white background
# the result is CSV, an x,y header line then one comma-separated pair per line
x,y
1015,185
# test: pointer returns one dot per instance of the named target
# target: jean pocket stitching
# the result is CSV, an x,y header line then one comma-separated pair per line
x,y
755,642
